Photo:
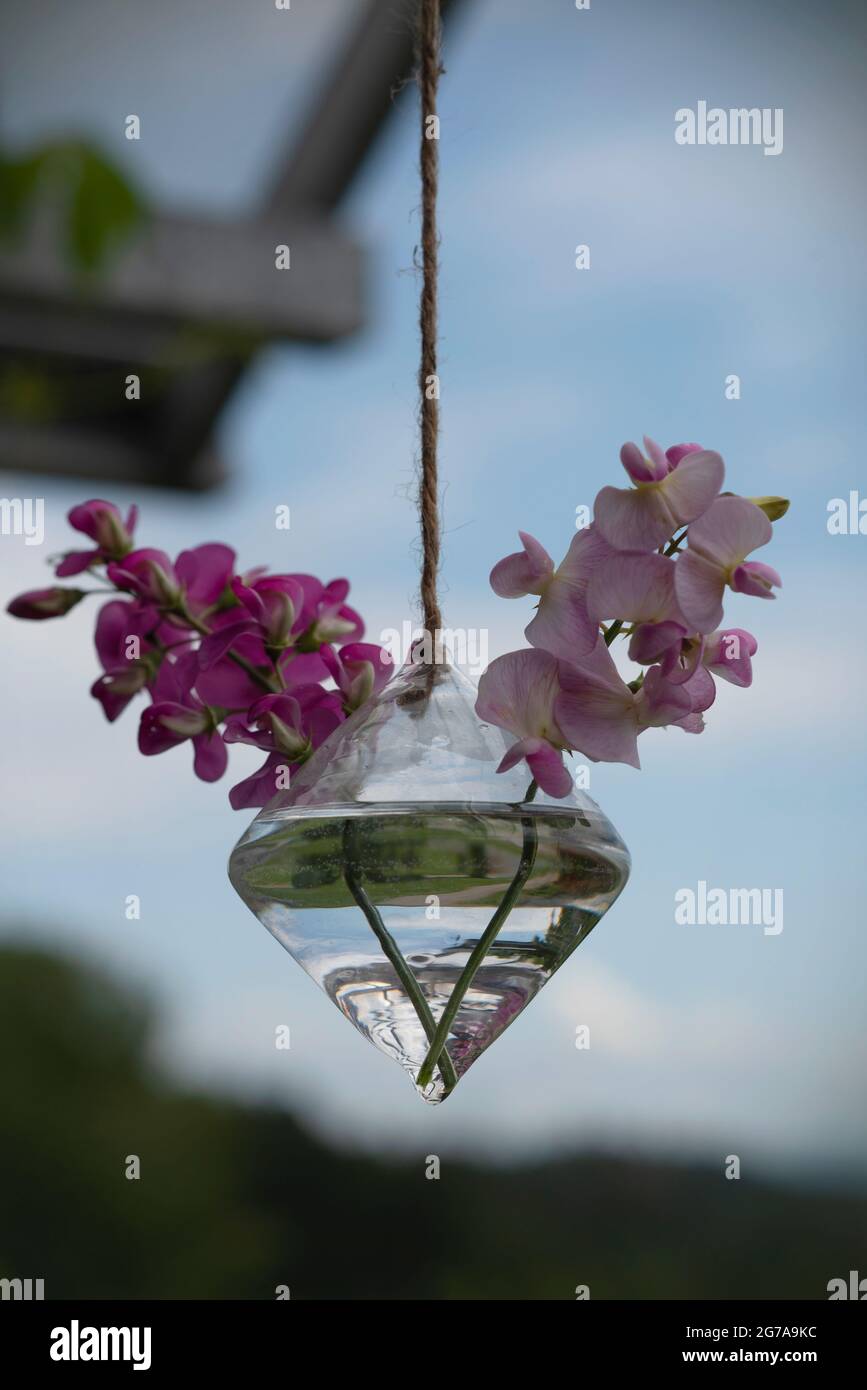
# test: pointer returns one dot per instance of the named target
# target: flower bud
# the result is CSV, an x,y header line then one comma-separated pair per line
x,y
330,628
280,611
102,522
37,604
286,739
773,507
361,685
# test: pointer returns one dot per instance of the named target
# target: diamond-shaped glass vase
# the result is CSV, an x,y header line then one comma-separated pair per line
x,y
417,885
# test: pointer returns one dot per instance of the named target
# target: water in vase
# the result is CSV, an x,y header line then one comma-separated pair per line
x,y
334,884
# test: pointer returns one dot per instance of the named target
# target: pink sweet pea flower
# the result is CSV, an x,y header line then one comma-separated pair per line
x,y
225,683
101,521
639,589
148,573
728,654
670,491
561,625
39,604
517,693
204,573
326,617
290,727
269,610
359,670
527,571
124,675
178,714
718,546
676,452
602,717
283,611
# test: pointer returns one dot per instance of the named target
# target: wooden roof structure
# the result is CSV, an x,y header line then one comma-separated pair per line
x,y
190,300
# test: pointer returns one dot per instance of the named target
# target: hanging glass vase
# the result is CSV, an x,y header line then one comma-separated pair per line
x,y
419,887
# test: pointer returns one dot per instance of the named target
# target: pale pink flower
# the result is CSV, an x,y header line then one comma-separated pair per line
x,y
728,654
561,625
718,546
601,717
639,589
517,693
670,491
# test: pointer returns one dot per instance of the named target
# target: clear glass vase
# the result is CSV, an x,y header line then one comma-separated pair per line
x,y
417,885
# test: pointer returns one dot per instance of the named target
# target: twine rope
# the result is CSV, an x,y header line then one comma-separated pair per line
x,y
429,70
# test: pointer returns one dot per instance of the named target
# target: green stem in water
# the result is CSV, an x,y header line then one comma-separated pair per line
x,y
411,987
525,867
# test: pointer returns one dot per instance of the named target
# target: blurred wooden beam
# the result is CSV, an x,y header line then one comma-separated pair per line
x,y
375,64
218,275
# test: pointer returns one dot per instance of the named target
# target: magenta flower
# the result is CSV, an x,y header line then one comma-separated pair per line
x,y
561,625
124,674
206,644
728,654
269,610
204,574
101,521
289,727
518,693
718,546
601,716
178,714
288,617
149,574
225,683
38,604
359,670
671,489
326,617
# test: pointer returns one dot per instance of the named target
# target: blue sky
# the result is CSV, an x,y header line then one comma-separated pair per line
x,y
557,129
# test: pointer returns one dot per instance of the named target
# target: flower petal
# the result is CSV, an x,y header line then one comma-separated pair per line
x,y
690,488
517,692
545,763
660,702
657,457
633,518
634,586
549,770
205,571
219,642
562,625
729,531
639,468
75,562
302,668
210,756
756,579
598,716
261,786
728,654
527,571
700,688
680,451
700,585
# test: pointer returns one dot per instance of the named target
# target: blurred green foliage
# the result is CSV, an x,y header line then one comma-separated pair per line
x,y
100,208
235,1200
